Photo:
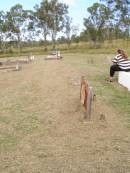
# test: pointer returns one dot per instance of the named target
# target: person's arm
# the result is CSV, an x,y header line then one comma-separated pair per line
x,y
114,60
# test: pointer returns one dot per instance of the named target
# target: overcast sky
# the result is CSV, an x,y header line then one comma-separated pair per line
x,y
77,8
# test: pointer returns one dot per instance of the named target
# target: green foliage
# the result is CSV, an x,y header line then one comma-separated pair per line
x,y
2,30
121,13
15,23
109,20
50,18
96,22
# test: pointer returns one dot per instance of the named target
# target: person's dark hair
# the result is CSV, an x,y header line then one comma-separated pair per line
x,y
123,54
120,51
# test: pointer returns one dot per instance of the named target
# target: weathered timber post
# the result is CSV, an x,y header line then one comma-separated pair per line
x,y
83,92
89,103
87,97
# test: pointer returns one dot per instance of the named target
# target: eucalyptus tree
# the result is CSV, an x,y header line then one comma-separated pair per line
x,y
50,19
121,13
95,24
30,27
42,14
69,30
57,14
90,30
15,23
124,22
2,30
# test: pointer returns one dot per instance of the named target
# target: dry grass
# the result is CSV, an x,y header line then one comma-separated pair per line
x,y
42,129
107,47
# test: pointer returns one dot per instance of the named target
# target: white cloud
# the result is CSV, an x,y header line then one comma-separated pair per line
x,y
68,2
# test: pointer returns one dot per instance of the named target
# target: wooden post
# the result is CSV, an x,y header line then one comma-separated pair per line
x,y
83,92
87,97
89,103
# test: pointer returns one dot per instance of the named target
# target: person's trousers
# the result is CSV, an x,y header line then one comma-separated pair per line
x,y
115,68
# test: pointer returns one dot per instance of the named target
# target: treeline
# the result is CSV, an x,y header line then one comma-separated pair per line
x,y
109,20
49,22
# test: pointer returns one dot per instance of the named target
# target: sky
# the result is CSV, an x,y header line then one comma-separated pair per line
x,y
77,8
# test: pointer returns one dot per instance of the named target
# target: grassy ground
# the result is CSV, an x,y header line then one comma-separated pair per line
x,y
42,126
97,72
87,47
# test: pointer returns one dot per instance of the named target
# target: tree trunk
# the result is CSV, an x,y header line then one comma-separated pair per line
x,y
19,42
68,43
54,39
45,42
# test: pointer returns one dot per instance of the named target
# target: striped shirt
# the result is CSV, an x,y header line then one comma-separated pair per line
x,y
121,62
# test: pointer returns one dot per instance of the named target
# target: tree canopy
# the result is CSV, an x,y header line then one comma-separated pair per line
x,y
50,21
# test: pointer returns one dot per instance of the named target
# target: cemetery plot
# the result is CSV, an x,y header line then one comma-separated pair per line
x,y
15,64
55,55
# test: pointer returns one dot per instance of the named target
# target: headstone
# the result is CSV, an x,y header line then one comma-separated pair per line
x,y
124,79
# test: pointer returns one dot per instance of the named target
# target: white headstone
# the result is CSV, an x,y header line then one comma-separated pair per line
x,y
124,79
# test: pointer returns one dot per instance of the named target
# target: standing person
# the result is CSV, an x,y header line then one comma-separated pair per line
x,y
120,63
